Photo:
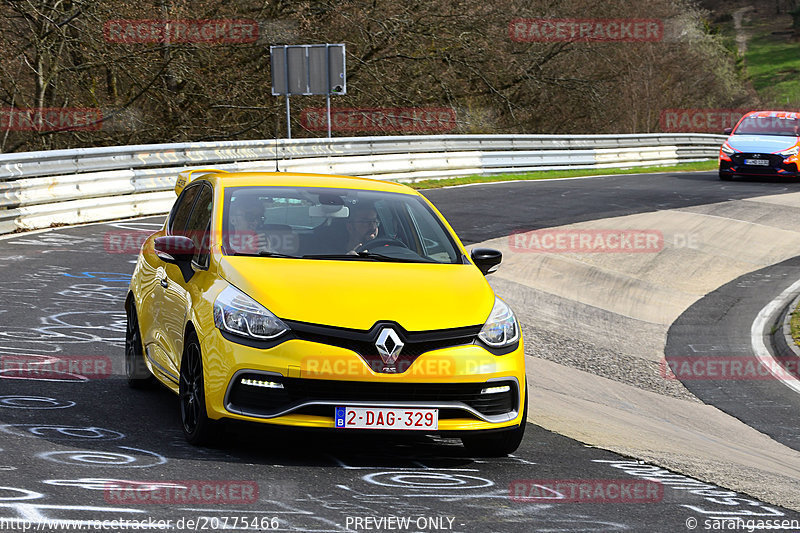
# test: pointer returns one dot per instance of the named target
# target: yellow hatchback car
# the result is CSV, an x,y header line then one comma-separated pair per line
x,y
323,302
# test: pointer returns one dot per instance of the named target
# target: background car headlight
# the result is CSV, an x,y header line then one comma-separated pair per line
x,y
726,149
501,328
237,313
791,151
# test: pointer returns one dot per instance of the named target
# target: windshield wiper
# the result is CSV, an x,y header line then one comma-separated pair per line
x,y
338,256
391,258
265,253
372,256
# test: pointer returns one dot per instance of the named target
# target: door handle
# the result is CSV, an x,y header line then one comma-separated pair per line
x,y
164,282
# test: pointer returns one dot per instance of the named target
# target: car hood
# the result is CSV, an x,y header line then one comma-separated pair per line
x,y
761,143
356,294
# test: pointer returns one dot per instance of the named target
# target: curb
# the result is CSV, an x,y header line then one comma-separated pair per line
x,y
782,341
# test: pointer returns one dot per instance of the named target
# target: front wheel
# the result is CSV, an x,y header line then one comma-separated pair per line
x,y
724,176
197,427
498,444
135,369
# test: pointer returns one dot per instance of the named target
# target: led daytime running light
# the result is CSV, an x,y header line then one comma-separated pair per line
x,y
496,390
262,384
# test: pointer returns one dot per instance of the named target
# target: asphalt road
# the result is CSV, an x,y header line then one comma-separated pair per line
x,y
717,327
482,212
69,447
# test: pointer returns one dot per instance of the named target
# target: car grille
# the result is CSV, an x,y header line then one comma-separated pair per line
x,y
775,161
363,341
298,392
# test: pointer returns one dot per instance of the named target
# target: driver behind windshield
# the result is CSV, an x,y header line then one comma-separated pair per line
x,y
362,227
246,227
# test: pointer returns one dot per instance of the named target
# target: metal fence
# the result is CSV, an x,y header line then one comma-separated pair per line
x,y
40,189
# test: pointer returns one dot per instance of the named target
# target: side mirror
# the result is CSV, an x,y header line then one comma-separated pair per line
x,y
175,249
727,131
486,259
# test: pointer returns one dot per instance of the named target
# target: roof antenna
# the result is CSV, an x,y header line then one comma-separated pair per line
x,y
276,155
276,147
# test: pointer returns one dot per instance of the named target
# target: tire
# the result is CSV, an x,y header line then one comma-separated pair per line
x,y
498,444
725,176
139,377
198,429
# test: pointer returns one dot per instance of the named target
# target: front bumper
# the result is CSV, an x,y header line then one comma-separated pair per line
x,y
316,378
777,165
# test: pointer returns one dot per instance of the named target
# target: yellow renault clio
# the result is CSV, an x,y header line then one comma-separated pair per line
x,y
324,302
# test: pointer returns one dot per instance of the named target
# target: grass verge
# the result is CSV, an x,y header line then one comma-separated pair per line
x,y
552,174
794,325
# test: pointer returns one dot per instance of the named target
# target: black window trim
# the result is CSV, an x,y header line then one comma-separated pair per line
x,y
195,264
191,186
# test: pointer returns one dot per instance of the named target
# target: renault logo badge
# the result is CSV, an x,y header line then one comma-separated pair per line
x,y
389,346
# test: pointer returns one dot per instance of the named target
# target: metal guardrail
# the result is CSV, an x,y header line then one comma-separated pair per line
x,y
39,189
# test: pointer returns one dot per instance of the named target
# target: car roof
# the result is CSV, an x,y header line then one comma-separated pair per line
x,y
294,179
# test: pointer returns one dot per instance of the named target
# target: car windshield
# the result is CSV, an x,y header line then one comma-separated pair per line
x,y
340,224
769,125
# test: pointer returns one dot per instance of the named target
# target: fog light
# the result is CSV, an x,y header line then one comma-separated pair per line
x,y
263,384
496,390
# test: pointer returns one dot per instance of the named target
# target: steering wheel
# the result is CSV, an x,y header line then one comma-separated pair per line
x,y
380,241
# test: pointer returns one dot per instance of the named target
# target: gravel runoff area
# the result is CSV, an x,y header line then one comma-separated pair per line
x,y
627,369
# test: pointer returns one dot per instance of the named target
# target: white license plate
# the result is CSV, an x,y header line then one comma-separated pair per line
x,y
387,418
757,162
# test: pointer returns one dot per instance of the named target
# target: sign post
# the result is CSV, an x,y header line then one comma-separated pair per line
x,y
308,69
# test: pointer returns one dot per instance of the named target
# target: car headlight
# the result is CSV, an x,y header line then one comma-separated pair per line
x,y
791,151
501,328
726,149
237,313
